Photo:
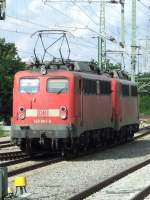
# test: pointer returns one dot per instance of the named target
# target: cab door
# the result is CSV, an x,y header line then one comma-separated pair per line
x,y
79,101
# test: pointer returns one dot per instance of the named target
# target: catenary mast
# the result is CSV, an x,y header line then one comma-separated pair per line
x,y
133,43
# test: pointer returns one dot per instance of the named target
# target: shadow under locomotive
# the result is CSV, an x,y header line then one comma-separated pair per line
x,y
133,149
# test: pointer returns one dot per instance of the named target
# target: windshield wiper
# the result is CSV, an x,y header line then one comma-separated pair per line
x,y
61,90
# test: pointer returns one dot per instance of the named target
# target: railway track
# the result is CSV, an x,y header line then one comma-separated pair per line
x,y
95,188
19,157
4,142
36,165
38,177
12,155
143,194
6,145
14,162
25,163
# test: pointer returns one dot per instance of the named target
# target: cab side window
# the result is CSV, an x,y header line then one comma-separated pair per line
x,y
134,91
105,87
125,90
90,87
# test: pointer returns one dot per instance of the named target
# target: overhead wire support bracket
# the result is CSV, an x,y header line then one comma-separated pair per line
x,y
2,9
80,1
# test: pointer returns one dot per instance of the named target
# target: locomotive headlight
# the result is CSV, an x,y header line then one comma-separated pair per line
x,y
43,70
21,113
22,116
22,109
63,112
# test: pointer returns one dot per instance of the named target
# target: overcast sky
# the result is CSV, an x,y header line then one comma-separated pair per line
x,y
24,17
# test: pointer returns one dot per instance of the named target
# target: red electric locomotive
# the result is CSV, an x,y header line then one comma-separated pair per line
x,y
125,107
69,110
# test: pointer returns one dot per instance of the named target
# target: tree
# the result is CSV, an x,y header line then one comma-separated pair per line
x,y
10,63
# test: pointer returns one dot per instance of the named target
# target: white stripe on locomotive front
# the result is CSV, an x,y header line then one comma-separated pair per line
x,y
42,113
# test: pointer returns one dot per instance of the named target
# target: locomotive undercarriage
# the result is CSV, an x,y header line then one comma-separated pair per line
x,y
76,145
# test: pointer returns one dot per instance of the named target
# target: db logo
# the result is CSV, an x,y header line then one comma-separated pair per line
x,y
42,113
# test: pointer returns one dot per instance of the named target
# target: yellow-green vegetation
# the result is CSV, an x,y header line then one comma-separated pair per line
x,y
2,134
145,104
10,63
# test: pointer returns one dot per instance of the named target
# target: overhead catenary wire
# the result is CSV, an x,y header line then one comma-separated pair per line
x,y
82,10
75,4
36,24
97,24
15,31
28,21
92,10
144,5
59,11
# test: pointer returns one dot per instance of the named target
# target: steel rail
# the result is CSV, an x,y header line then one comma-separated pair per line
x,y
33,167
14,162
143,194
11,155
4,142
86,193
6,145
91,190
142,134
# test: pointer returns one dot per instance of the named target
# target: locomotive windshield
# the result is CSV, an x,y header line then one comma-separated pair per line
x,y
28,85
57,85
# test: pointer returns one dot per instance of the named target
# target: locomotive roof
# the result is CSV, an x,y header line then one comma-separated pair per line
x,y
63,73
123,81
84,69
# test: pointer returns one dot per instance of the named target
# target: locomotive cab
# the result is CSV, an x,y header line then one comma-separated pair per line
x,y
43,110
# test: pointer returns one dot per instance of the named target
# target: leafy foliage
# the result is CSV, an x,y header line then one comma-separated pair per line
x,y
10,63
143,81
112,66
145,104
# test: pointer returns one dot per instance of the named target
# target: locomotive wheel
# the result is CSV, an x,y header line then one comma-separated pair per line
x,y
26,146
104,138
84,142
23,145
118,137
131,135
66,154
123,135
29,147
95,140
75,148
64,151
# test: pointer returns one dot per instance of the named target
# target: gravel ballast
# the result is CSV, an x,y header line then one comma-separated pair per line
x,y
62,180
126,188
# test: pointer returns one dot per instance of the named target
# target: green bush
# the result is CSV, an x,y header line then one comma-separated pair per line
x,y
145,104
1,132
10,63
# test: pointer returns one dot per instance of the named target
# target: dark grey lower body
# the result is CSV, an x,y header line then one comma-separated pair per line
x,y
60,138
48,131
